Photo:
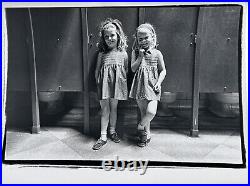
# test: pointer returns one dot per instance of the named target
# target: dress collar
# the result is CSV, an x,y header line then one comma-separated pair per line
x,y
149,51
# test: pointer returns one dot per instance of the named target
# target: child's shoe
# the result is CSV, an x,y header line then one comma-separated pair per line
x,y
99,144
143,141
114,137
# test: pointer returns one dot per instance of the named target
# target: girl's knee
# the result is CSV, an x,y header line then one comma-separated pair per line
x,y
151,113
113,106
152,108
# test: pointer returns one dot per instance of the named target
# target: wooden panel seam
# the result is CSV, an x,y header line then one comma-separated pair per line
x,y
86,98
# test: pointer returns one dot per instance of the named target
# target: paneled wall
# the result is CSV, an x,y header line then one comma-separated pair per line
x,y
59,41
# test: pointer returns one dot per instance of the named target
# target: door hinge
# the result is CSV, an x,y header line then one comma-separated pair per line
x,y
90,36
193,38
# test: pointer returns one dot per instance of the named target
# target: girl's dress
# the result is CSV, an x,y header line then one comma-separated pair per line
x,y
112,78
146,77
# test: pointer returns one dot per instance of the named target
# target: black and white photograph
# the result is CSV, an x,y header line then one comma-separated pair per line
x,y
131,88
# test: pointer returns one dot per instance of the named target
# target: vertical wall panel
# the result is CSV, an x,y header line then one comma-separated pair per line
x,y
58,44
219,49
18,102
18,65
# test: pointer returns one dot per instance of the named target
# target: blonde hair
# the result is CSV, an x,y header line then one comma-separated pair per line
x,y
122,39
151,29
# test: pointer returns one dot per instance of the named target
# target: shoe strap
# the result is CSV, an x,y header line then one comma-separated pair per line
x,y
100,140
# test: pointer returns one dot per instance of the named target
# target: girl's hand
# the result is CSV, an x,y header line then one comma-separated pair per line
x,y
157,87
141,52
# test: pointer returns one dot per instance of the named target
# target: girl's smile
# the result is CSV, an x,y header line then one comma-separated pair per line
x,y
144,38
110,37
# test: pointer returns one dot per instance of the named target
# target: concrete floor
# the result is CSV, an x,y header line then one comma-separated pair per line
x,y
168,144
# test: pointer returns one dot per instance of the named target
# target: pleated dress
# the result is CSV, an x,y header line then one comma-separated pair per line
x,y
112,78
146,77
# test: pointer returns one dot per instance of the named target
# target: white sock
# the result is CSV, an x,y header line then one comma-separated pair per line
x,y
148,134
104,136
112,130
140,127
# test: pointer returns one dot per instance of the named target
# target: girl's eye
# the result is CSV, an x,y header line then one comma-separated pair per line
x,y
111,36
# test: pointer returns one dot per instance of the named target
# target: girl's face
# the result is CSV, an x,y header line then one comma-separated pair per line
x,y
145,38
110,37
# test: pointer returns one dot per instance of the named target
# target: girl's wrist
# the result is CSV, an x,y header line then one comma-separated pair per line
x,y
140,59
159,83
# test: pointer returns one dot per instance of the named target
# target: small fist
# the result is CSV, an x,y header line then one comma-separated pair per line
x,y
141,52
157,88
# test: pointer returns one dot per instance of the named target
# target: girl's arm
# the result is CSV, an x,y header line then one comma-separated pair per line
x,y
162,69
135,63
126,62
98,65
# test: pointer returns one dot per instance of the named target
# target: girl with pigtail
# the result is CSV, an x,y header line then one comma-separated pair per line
x,y
111,77
149,67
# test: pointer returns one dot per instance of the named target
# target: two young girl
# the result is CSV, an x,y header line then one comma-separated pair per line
x,y
112,66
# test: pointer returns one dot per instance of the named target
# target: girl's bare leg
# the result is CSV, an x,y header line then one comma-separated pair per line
x,y
147,129
113,115
112,119
105,112
142,104
151,108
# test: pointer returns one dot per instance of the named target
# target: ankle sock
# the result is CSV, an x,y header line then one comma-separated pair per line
x,y
111,130
104,136
148,134
140,127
